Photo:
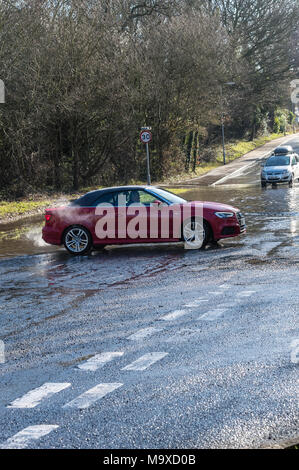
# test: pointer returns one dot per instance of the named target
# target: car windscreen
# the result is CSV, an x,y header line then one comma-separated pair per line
x,y
170,197
278,161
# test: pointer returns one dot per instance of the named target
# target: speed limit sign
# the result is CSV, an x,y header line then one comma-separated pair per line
x,y
146,137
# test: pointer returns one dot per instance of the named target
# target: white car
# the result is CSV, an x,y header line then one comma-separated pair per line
x,y
280,169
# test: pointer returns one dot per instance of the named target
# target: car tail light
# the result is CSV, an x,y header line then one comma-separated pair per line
x,y
48,217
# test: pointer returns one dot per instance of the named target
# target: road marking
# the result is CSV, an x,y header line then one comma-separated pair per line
x,y
91,396
255,162
247,293
174,315
23,438
145,361
144,333
195,303
99,360
212,315
34,397
240,170
225,286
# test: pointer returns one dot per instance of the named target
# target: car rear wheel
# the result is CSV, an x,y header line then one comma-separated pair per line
x,y
196,232
77,240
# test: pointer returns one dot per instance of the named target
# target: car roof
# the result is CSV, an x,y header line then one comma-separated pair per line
x,y
283,150
120,188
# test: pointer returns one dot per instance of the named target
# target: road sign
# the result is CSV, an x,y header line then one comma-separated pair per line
x,y
146,137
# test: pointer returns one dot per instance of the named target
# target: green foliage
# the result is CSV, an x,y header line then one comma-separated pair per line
x,y
281,119
83,77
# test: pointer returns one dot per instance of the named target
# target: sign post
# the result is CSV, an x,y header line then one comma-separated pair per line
x,y
146,137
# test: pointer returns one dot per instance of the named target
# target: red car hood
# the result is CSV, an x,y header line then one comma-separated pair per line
x,y
216,206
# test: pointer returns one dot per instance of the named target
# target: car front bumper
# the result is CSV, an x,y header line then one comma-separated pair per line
x,y
227,228
276,179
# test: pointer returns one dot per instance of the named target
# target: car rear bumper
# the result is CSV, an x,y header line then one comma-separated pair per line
x,y
51,236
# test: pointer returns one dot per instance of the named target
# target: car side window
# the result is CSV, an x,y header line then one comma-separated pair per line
x,y
147,199
122,198
134,196
106,198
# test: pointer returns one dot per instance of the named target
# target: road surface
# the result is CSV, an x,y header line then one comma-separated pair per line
x,y
155,347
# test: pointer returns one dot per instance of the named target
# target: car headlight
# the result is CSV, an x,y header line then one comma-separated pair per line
x,y
224,215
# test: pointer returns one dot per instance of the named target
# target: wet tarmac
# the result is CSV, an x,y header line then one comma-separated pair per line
x,y
220,322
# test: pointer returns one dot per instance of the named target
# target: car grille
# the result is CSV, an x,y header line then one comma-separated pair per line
x,y
241,220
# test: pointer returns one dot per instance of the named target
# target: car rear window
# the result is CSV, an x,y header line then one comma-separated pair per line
x,y
87,200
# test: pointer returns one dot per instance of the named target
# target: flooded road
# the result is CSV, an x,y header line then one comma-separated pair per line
x,y
155,346
272,218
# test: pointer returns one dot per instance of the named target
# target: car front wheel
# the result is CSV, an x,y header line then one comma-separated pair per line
x,y
195,233
77,240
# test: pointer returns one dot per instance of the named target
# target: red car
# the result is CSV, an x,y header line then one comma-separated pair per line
x,y
135,214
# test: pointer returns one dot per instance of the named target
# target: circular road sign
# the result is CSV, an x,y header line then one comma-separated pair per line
x,y
146,137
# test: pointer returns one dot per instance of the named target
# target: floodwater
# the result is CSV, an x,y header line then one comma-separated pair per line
x,y
272,218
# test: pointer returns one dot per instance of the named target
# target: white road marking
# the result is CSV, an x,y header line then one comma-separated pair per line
x,y
174,315
25,437
34,397
145,361
240,170
247,293
195,303
225,286
99,360
212,315
144,333
91,396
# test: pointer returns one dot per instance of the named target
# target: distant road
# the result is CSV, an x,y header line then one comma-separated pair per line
x,y
221,174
